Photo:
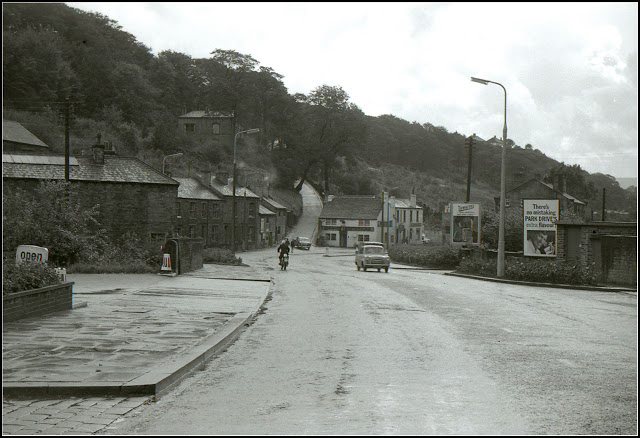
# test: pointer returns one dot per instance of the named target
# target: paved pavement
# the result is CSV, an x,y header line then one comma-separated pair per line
x,y
128,339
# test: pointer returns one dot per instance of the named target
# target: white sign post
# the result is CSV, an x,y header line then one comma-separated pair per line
x,y
32,253
540,229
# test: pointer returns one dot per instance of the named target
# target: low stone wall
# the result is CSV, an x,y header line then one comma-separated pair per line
x,y
37,302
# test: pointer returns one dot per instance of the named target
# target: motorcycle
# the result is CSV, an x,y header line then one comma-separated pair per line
x,y
284,262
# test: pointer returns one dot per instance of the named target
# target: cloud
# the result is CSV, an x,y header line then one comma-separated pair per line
x,y
570,69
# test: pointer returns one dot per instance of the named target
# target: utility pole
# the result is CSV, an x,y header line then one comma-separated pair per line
x,y
470,142
67,117
604,190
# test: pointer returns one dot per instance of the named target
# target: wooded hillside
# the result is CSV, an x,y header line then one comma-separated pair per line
x,y
54,54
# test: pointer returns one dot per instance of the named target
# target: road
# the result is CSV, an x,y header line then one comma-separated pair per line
x,y
339,351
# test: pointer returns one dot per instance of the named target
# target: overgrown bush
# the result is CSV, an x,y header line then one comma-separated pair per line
x,y
534,270
18,277
220,256
429,256
128,255
50,216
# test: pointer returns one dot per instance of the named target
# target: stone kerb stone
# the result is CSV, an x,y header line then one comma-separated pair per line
x,y
37,302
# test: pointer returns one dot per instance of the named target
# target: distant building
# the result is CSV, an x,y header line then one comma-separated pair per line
x,y
16,139
409,218
209,125
281,217
347,220
267,231
538,189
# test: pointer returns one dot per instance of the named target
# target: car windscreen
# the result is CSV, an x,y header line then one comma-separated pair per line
x,y
373,250
303,239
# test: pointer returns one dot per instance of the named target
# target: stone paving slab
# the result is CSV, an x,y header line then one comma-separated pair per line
x,y
136,338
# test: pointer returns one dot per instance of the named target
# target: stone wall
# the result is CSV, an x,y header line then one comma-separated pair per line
x,y
37,302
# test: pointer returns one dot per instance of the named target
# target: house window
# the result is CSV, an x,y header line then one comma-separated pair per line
x,y
363,237
331,236
192,231
364,222
204,209
214,232
411,216
192,208
179,213
204,234
215,211
252,210
216,128
331,221
178,231
250,234
189,127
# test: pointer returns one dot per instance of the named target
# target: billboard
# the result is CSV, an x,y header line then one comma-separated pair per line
x,y
465,223
540,229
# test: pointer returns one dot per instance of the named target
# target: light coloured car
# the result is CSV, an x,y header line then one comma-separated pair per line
x,y
302,243
372,255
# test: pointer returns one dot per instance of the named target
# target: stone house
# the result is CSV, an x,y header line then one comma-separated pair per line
x,y
247,220
199,213
132,196
280,211
267,231
16,139
209,125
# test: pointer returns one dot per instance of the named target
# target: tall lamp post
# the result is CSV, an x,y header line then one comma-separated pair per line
x,y
233,205
500,272
179,154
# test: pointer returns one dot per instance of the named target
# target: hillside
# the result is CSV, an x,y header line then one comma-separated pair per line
x,y
55,54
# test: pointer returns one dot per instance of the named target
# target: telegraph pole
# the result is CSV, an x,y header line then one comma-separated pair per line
x,y
470,142
67,116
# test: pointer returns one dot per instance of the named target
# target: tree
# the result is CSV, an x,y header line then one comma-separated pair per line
x,y
333,125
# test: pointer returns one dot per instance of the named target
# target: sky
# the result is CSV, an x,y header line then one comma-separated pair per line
x,y
570,70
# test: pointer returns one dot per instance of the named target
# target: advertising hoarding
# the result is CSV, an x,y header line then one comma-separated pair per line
x,y
465,223
540,229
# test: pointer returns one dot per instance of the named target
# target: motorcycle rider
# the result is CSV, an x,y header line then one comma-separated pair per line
x,y
283,249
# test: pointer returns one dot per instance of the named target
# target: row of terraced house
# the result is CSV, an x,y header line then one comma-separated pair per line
x,y
134,197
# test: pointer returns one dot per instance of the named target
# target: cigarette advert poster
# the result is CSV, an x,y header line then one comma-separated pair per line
x,y
465,223
540,230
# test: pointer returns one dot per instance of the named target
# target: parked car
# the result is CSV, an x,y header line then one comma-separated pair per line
x,y
372,255
301,242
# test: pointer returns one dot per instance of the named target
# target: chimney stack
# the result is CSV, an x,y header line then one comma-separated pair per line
x,y
222,177
413,200
97,151
205,177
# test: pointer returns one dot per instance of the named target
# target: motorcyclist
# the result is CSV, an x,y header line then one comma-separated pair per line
x,y
283,249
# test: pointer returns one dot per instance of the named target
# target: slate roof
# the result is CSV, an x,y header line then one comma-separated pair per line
x,y
227,189
115,169
550,186
405,203
274,204
15,132
191,188
265,211
352,207
203,113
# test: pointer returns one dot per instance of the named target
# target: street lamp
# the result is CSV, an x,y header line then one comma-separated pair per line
x,y
502,179
233,206
179,154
